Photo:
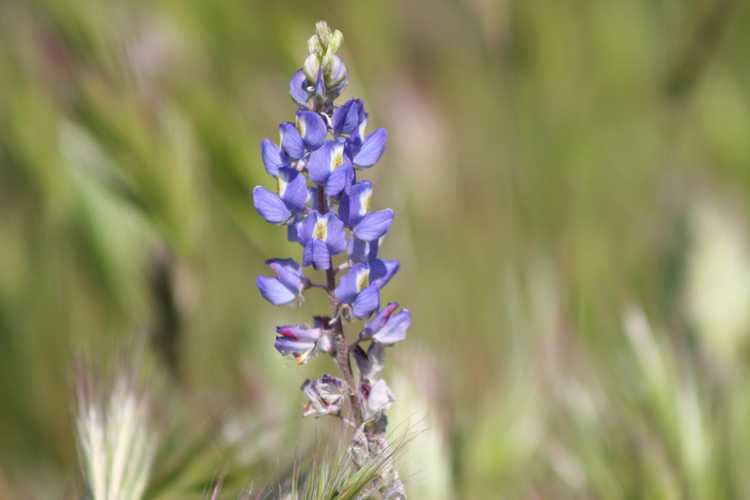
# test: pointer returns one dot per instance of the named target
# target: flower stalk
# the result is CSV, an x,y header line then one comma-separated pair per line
x,y
325,208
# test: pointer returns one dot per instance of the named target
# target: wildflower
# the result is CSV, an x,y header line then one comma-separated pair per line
x,y
303,342
287,284
360,287
386,327
322,236
327,210
326,395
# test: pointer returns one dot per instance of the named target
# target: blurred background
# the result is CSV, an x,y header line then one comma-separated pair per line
x,y
572,188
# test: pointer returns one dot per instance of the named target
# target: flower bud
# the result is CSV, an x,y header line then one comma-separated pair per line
x,y
314,47
311,67
335,43
323,32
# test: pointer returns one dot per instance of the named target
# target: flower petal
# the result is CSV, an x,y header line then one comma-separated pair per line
x,y
381,271
358,201
326,395
347,117
312,128
288,272
378,321
395,328
301,350
374,225
270,206
319,163
366,302
339,178
371,149
293,229
316,254
291,141
298,88
299,332
336,237
363,251
293,189
379,399
370,363
272,156
320,85
347,289
274,291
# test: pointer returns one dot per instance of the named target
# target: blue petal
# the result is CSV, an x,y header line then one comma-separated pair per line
x,y
344,209
298,88
395,329
336,237
347,117
272,157
287,346
306,228
339,179
293,230
319,163
378,321
320,85
299,332
363,251
381,271
321,258
371,149
274,291
312,128
359,201
366,302
374,225
295,193
290,140
288,272
346,291
270,206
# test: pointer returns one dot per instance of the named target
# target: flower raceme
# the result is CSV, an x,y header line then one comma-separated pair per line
x,y
326,208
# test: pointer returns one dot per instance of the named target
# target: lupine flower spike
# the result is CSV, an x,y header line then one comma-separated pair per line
x,y
326,209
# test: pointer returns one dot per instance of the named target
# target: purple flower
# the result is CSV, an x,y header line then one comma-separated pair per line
x,y
360,287
367,153
322,236
378,398
273,157
270,206
312,129
387,327
327,211
349,117
326,395
355,205
330,167
291,198
303,342
286,285
378,321
374,225
299,89
363,251
291,140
